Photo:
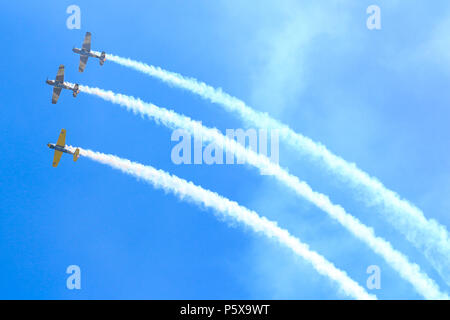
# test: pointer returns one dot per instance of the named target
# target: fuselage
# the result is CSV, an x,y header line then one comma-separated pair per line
x,y
59,148
83,52
59,84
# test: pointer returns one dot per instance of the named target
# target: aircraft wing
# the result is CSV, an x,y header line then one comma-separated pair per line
x,y
55,96
87,42
56,158
62,138
60,74
83,61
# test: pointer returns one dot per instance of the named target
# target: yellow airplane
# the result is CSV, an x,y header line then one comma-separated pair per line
x,y
60,147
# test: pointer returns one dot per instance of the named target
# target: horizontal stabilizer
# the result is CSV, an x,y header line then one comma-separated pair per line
x,y
76,90
102,58
76,154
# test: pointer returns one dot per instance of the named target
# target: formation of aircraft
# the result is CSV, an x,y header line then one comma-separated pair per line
x,y
59,84
85,53
60,148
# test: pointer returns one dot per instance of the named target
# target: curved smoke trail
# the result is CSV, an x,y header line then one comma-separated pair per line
x,y
425,234
187,190
407,270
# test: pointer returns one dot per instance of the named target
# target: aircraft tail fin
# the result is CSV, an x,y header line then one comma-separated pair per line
x,y
102,58
76,154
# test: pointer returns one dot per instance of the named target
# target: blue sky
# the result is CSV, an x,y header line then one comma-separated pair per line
x,y
377,98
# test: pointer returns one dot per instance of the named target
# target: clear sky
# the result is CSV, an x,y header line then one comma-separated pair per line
x,y
378,98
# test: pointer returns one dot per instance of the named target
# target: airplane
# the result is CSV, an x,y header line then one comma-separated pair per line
x,y
85,52
60,148
59,84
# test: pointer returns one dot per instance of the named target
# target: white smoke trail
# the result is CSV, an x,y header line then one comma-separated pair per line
x,y
427,235
187,190
407,270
